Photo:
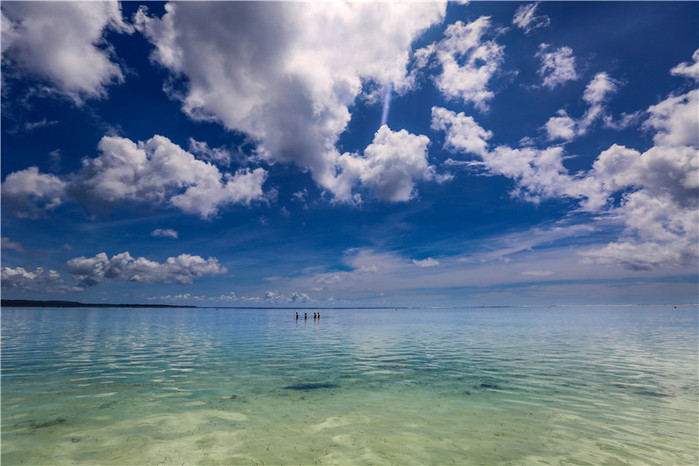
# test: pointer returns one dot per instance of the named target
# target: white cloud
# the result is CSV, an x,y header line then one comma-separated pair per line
x,y
164,233
217,155
27,192
468,62
19,278
298,297
525,18
286,73
688,70
62,43
273,297
199,298
268,297
390,167
160,171
623,121
676,120
156,171
659,232
123,267
429,262
659,213
596,94
641,255
660,170
466,164
599,89
462,132
539,173
658,189
7,243
537,273
561,126
30,126
557,67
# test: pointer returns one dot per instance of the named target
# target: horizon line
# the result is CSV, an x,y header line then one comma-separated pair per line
x,y
69,304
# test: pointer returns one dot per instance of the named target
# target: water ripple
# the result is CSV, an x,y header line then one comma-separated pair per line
x,y
367,386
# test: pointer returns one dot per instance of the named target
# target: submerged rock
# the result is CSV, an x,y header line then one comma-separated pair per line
x,y
488,386
652,393
310,386
44,424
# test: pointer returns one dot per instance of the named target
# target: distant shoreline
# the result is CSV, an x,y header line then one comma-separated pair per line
x,y
35,303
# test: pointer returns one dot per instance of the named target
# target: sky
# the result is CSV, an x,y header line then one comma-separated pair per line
x,y
351,154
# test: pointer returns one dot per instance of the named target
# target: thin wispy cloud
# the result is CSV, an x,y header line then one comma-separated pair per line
x,y
164,233
527,19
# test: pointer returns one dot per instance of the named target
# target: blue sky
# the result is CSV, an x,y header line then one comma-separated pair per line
x,y
232,153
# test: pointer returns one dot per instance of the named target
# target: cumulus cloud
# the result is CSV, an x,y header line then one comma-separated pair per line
x,y
164,233
687,69
661,188
676,120
62,44
21,279
596,94
561,126
268,297
159,171
462,132
123,267
468,62
429,262
298,297
200,298
653,195
659,231
28,192
538,173
286,74
389,167
661,170
557,67
526,19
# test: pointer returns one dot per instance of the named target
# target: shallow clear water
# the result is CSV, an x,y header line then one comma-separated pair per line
x,y
585,385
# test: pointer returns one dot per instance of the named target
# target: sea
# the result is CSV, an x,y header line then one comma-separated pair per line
x,y
588,385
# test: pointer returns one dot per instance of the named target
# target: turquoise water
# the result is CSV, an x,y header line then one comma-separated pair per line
x,y
586,385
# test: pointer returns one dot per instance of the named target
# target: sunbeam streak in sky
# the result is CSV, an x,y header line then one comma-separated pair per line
x,y
386,103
